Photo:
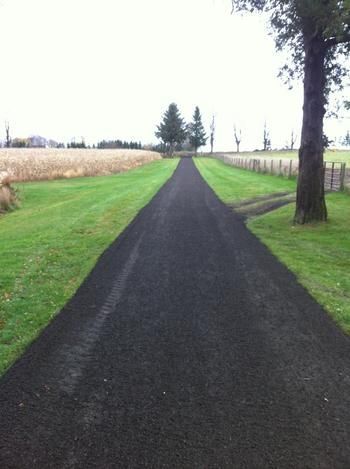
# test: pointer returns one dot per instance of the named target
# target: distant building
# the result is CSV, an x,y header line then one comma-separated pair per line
x,y
37,141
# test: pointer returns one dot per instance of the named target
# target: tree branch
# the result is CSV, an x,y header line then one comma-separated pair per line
x,y
334,41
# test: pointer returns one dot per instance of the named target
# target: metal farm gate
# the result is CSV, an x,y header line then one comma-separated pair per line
x,y
334,176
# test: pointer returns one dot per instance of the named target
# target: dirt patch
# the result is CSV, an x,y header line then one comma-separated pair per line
x,y
261,205
276,195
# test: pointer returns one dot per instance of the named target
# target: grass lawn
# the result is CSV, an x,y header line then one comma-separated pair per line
x,y
234,184
318,254
330,155
52,242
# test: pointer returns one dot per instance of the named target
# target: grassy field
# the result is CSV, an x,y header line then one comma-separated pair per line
x,y
342,156
34,164
51,243
233,184
318,254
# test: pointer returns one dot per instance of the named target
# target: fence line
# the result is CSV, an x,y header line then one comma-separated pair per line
x,y
337,176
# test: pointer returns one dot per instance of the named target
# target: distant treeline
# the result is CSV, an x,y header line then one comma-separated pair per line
x,y
81,144
119,144
32,142
37,141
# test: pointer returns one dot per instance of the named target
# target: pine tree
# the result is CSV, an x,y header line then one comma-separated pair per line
x,y
196,130
172,129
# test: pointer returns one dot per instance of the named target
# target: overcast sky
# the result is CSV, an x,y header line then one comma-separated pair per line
x,y
109,69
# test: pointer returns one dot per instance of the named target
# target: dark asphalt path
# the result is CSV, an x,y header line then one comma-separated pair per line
x,y
188,346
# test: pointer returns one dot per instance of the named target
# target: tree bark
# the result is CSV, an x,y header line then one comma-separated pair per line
x,y
311,205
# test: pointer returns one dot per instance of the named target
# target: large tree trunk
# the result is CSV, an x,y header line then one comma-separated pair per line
x,y
311,205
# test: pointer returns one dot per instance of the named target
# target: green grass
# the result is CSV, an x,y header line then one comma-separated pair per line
x,y
234,184
330,155
52,242
318,254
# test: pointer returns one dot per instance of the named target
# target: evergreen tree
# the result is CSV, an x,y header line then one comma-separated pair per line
x,y
196,131
317,33
346,140
172,129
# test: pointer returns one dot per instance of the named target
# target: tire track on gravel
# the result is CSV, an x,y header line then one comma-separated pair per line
x,y
73,360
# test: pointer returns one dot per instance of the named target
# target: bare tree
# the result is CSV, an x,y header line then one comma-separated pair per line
x,y
238,137
212,134
8,138
293,139
267,140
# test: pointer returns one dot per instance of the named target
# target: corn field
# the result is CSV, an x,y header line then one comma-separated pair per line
x,y
33,164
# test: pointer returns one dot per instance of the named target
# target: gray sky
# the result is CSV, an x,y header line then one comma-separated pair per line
x,y
109,69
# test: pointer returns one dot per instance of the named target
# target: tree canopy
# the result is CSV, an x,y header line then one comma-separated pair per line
x,y
290,18
292,21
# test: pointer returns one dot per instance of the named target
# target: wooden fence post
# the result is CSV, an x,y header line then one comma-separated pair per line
x,y
342,176
290,169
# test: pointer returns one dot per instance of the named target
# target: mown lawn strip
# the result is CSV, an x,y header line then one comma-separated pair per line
x,y
318,254
51,243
